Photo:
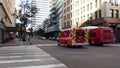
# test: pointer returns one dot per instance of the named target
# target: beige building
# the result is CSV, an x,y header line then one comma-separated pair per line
x,y
78,13
6,11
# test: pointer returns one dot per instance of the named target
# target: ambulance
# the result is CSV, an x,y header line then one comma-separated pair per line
x,y
89,35
73,37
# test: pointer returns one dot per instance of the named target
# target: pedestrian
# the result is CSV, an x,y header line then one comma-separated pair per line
x,y
29,39
23,38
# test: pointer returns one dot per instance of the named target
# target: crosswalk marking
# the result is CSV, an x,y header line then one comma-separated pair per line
x,y
27,57
44,66
46,44
1,57
112,45
27,60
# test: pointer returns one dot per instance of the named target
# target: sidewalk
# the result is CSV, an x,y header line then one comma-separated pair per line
x,y
13,42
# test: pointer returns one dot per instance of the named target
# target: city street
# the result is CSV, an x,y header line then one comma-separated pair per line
x,y
46,54
106,56
27,56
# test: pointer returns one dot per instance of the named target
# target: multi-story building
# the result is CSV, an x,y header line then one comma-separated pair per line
x,y
6,18
55,18
43,11
77,13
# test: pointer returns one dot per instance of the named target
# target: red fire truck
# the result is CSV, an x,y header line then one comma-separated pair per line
x,y
73,37
99,35
86,35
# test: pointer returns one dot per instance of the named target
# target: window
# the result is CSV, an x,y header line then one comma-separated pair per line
x,y
99,2
99,13
78,3
71,14
111,13
116,2
90,6
83,8
66,34
83,1
83,18
116,13
64,17
110,1
64,11
65,4
64,25
90,16
96,3
93,34
68,16
68,2
80,34
96,15
68,9
68,24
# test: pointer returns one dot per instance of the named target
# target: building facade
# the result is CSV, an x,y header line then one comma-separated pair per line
x,y
43,11
6,18
77,13
55,23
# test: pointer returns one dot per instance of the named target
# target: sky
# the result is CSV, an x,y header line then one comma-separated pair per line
x,y
17,2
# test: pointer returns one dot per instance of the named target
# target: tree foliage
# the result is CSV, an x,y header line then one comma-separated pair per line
x,y
40,32
26,11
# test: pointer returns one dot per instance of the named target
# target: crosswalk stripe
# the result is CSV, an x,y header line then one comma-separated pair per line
x,y
46,45
44,66
27,60
1,57
28,57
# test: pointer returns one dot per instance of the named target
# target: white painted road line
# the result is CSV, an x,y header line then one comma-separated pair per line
x,y
27,60
46,45
44,66
1,57
112,44
27,57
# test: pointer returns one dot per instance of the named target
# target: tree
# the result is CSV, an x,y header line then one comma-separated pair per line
x,y
40,32
26,11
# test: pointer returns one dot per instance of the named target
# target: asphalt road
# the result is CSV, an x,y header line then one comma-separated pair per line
x,y
107,56
46,53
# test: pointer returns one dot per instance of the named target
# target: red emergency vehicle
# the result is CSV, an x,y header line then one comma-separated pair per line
x,y
73,37
99,35
86,35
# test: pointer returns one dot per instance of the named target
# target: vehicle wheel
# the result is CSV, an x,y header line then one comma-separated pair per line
x,y
81,46
66,44
100,44
90,42
58,43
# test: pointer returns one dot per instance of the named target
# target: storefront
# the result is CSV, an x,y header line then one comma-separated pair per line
x,y
3,33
